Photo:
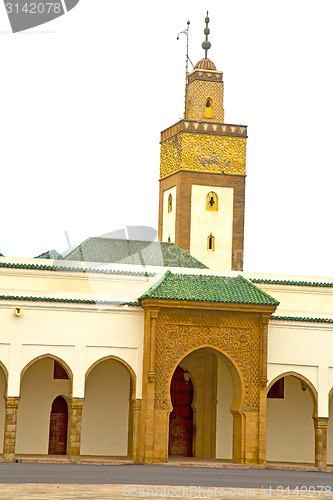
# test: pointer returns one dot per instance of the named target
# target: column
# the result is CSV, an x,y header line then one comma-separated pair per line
x,y
74,431
251,437
11,406
146,454
135,431
134,428
237,437
262,426
320,427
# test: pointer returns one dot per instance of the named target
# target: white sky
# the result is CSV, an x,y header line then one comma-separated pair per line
x,y
84,98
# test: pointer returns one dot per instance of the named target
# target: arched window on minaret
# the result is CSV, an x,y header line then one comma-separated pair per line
x,y
212,201
211,243
170,203
209,109
189,110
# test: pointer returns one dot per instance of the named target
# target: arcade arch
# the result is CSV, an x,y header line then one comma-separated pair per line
x,y
217,395
107,417
290,426
38,390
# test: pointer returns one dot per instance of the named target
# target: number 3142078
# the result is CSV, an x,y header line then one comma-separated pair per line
x,y
34,8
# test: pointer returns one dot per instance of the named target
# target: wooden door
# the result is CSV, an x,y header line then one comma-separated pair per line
x,y
181,418
58,427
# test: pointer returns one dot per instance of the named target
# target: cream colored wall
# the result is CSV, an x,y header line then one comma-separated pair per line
x,y
304,348
169,218
76,334
38,390
290,431
105,410
219,223
69,284
301,300
224,421
2,406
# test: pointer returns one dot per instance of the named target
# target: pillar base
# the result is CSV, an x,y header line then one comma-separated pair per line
x,y
320,426
11,406
74,431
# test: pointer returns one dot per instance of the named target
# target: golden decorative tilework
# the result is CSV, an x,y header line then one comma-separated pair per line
x,y
198,92
204,153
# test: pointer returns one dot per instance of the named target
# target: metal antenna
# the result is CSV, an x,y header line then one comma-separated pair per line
x,y
186,32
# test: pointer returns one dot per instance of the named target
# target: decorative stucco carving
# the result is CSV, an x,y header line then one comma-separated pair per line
x,y
203,152
235,335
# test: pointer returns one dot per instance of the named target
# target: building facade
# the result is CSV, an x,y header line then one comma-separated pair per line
x,y
149,350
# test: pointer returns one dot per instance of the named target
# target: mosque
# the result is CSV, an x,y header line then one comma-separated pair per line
x,y
153,350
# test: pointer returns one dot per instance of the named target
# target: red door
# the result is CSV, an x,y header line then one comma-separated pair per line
x,y
58,427
181,418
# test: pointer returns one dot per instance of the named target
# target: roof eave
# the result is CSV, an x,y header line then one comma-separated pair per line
x,y
215,306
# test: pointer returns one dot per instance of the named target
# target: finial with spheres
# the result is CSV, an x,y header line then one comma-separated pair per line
x,y
206,45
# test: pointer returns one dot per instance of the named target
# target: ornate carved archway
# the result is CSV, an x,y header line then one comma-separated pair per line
x,y
239,332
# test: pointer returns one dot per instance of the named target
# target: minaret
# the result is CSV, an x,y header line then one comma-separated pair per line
x,y
202,174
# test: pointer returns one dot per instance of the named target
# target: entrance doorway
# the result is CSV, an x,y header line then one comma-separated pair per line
x,y
58,427
181,418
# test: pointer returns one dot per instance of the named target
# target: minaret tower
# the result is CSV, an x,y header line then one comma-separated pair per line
x,y
202,174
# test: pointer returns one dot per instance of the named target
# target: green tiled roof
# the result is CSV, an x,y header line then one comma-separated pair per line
x,y
50,254
1,255
303,319
208,288
134,252
291,282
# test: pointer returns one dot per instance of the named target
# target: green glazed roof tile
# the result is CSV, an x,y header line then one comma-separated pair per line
x,y
78,269
291,282
303,319
50,254
208,288
31,298
134,252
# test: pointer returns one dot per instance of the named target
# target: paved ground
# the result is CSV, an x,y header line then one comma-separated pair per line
x,y
119,492
160,474
29,481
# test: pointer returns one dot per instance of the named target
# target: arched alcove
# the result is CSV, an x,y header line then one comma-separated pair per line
x,y
209,109
58,427
210,372
106,417
37,393
290,428
181,417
